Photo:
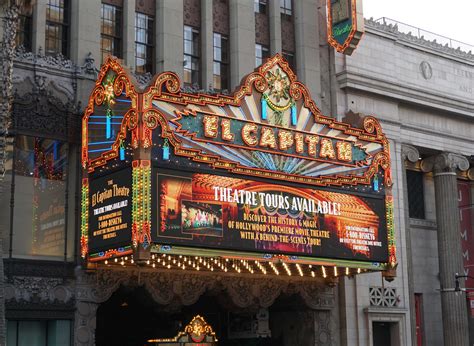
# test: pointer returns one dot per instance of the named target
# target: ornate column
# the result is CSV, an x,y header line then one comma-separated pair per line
x,y
207,45
453,304
308,65
39,26
91,290
411,154
85,29
275,26
242,40
10,24
169,36
129,33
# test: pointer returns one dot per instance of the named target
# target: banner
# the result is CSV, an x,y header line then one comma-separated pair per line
x,y
110,205
210,211
465,217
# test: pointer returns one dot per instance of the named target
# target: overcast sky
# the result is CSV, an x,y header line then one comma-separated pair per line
x,y
452,18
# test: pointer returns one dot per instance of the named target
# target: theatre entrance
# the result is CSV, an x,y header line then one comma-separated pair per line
x,y
130,317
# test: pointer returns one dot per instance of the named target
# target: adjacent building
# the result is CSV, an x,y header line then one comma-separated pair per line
x,y
420,90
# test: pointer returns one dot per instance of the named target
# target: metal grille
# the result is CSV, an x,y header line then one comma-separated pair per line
x,y
383,296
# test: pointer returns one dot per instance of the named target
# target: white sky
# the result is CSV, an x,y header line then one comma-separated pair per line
x,y
451,18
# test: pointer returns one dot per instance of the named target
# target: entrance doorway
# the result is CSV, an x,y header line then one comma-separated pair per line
x,y
131,317
381,333
386,333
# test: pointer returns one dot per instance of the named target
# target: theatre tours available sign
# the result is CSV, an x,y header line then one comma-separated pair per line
x,y
258,172
204,210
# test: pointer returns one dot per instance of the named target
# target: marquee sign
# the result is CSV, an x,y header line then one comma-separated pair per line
x,y
345,24
261,171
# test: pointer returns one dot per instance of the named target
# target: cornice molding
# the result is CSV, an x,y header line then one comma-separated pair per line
x,y
439,101
422,42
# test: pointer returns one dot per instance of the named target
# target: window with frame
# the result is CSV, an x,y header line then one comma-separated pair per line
x,y
24,31
38,333
221,62
290,58
286,7
416,196
143,43
191,56
39,174
57,27
261,53
111,31
260,6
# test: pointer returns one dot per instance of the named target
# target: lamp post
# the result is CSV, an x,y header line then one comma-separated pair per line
x,y
457,286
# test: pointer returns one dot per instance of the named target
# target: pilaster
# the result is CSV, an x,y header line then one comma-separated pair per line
x,y
275,26
129,33
242,40
85,26
307,46
39,26
453,304
169,36
409,153
207,46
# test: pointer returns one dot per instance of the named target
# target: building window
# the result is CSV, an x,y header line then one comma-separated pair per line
x,y
25,29
57,27
260,6
261,53
290,58
416,196
111,31
39,333
191,56
143,43
286,7
39,220
221,62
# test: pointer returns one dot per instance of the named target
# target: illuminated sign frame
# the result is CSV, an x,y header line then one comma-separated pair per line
x,y
345,34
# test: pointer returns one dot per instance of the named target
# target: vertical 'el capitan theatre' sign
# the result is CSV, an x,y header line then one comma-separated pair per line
x,y
258,172
345,24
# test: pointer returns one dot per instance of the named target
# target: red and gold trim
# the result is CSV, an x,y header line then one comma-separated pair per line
x,y
122,83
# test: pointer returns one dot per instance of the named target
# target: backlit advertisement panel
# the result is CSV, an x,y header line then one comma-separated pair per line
x,y
210,211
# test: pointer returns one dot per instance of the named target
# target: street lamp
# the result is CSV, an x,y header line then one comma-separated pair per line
x,y
457,287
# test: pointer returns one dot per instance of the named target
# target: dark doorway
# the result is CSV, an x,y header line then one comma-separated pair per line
x,y
419,318
131,317
381,334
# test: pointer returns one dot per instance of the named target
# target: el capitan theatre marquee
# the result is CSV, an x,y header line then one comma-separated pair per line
x,y
259,181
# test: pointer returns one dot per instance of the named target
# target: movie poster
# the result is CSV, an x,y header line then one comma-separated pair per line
x,y
210,211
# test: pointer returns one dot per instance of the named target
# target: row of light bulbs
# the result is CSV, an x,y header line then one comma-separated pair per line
x,y
225,265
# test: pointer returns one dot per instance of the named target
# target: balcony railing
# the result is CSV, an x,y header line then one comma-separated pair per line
x,y
426,35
